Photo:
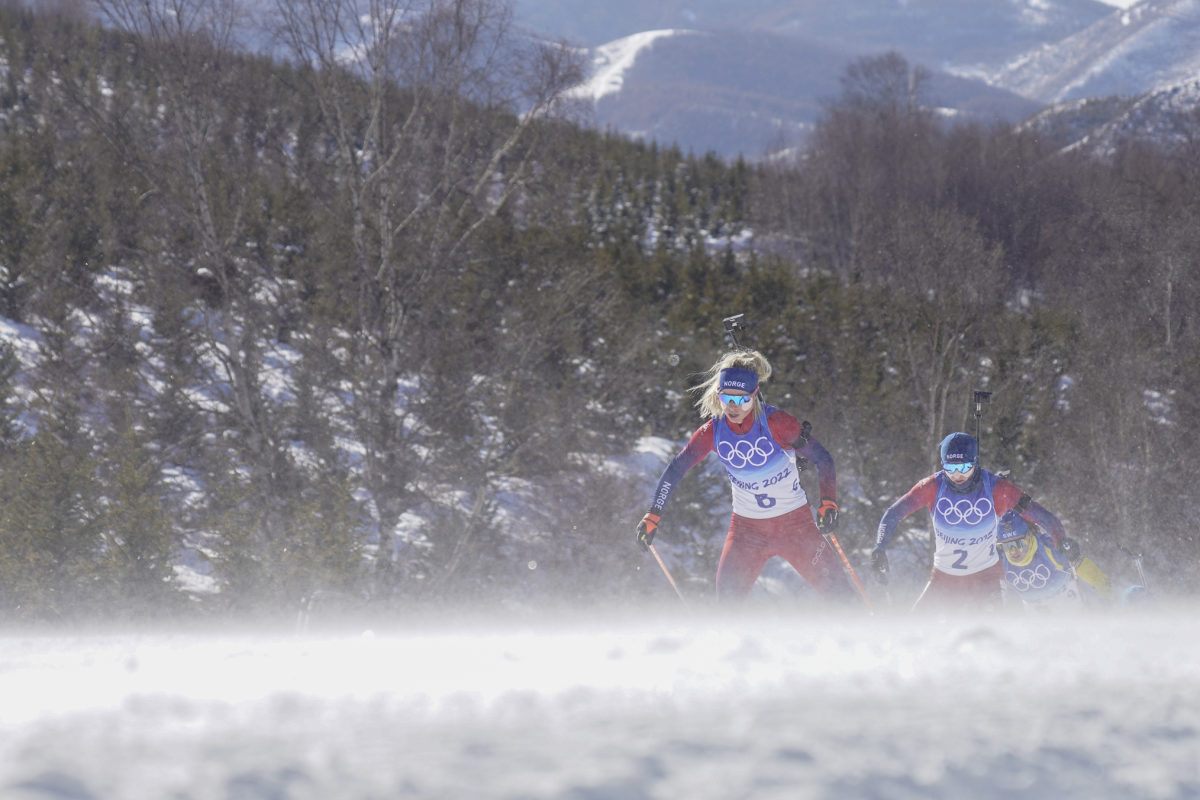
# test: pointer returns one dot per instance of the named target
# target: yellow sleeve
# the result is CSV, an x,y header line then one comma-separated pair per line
x,y
1089,572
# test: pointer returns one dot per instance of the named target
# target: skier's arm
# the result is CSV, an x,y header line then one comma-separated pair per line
x,y
790,434
815,452
1006,495
700,445
1088,571
920,496
1046,521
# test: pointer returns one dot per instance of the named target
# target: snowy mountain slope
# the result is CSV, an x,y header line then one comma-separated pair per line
x,y
1153,45
741,91
611,61
750,77
1167,117
931,31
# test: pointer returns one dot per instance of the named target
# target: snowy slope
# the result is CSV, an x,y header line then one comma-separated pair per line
x,y
1166,117
931,31
610,63
1153,45
740,91
652,705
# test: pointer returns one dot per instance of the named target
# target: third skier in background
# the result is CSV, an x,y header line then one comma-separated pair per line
x,y
1043,575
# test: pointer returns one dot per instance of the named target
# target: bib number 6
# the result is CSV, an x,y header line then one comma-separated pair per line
x,y
765,500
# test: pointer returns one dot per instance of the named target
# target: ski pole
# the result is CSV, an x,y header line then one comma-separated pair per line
x,y
833,540
1137,562
667,572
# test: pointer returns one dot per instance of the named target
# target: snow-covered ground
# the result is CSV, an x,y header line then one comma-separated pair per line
x,y
661,703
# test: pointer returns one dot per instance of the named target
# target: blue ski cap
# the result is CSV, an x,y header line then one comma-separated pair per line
x,y
736,378
1011,526
959,448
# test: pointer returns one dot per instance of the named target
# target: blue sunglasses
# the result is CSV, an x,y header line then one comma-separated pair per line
x,y
958,467
736,399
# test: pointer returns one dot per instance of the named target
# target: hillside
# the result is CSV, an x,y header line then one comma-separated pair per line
x,y
745,92
934,32
1152,45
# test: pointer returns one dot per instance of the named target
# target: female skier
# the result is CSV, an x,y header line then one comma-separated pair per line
x,y
1040,573
757,444
965,501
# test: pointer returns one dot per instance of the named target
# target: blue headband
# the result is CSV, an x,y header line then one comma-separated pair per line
x,y
736,378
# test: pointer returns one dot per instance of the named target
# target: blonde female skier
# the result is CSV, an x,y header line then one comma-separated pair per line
x,y
758,444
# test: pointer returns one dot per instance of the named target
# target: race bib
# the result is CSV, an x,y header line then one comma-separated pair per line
x,y
763,475
965,528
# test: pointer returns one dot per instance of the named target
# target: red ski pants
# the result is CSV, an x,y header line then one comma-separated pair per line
x,y
792,536
980,590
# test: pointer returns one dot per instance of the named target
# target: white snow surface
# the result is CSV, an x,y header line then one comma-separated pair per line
x,y
611,61
652,703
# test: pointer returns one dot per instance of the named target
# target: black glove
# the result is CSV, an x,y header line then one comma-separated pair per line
x,y
1070,548
645,531
827,515
879,565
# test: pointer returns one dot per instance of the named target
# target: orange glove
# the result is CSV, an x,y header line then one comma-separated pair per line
x,y
645,531
827,515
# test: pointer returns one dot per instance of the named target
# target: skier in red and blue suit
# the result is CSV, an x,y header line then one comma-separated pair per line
x,y
758,444
965,502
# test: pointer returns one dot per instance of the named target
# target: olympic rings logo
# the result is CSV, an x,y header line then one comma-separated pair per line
x,y
745,453
1028,579
964,510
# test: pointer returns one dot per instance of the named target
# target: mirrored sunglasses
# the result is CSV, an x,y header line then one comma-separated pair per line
x,y
736,399
1014,546
959,467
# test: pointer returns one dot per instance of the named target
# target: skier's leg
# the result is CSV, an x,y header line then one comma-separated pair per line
x,y
742,559
986,589
801,544
945,592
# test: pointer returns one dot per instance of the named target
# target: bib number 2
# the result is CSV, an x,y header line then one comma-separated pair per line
x,y
962,559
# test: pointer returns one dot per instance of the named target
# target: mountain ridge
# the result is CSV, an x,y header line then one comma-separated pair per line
x,y
1150,46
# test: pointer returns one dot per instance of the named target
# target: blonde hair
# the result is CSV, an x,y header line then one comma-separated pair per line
x,y
709,404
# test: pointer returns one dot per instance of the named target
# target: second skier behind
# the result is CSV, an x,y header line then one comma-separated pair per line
x,y
758,444
965,501
1041,574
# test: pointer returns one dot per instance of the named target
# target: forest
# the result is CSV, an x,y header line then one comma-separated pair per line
x,y
373,314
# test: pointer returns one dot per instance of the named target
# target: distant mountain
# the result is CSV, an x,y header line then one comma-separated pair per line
x,y
741,77
743,91
933,32
1169,117
1151,46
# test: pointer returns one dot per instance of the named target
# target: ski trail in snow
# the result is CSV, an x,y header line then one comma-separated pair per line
x,y
611,61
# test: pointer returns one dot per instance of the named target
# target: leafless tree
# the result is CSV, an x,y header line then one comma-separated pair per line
x,y
949,277
199,165
431,111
